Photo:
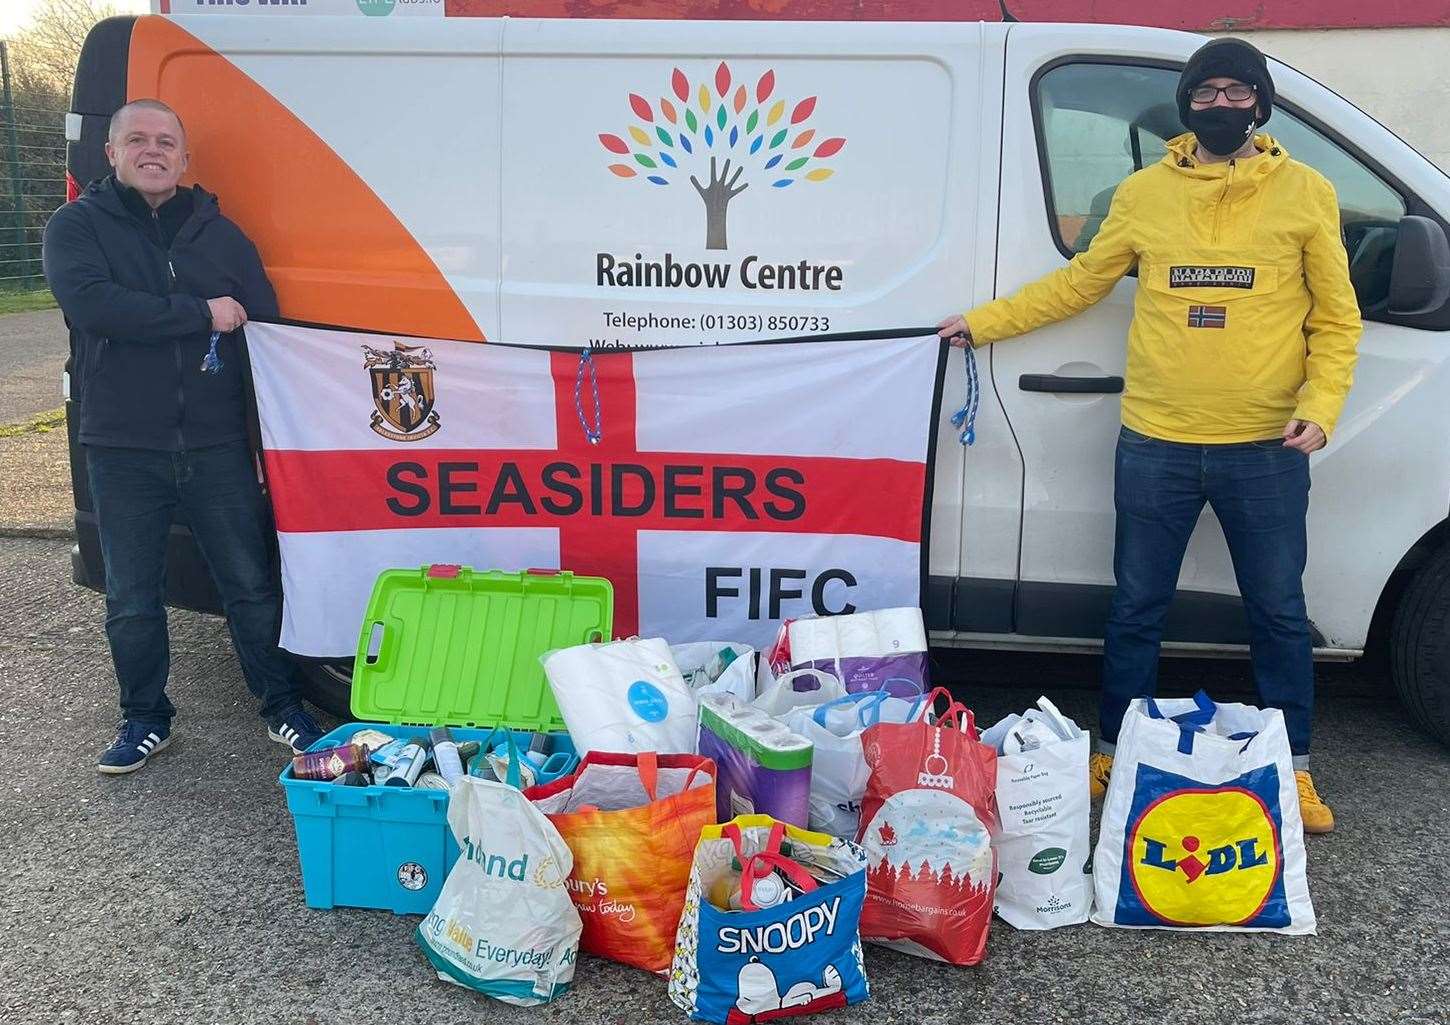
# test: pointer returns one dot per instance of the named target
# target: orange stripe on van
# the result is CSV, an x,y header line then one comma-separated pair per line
x,y
334,251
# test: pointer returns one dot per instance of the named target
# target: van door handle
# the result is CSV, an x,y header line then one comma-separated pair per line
x,y
1076,385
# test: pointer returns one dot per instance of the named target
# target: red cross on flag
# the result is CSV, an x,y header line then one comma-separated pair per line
x,y
728,487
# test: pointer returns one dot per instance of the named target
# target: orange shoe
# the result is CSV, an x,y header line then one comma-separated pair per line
x,y
1316,814
1100,767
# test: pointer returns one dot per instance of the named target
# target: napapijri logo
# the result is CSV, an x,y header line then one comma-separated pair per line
x,y
1210,277
403,393
750,135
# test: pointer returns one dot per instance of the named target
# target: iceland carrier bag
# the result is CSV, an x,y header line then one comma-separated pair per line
x,y
504,924
1201,826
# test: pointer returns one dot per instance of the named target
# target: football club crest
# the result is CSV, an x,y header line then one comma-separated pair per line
x,y
402,382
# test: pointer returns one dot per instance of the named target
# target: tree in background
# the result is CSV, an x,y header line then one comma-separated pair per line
x,y
41,60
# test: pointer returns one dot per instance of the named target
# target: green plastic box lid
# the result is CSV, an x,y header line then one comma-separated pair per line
x,y
444,645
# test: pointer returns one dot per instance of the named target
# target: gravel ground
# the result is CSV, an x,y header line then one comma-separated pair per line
x,y
35,346
173,895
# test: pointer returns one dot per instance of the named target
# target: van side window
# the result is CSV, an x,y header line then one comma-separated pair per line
x,y
1369,209
1098,123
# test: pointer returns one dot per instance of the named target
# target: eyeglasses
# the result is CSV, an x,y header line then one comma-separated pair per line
x,y
1233,93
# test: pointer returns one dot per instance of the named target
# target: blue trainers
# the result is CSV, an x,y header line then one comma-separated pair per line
x,y
135,743
296,729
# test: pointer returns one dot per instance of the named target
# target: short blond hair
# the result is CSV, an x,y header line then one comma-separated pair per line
x,y
141,104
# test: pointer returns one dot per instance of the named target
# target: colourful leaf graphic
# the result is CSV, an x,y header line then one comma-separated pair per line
x,y
830,147
681,85
803,138
734,134
796,165
764,86
641,107
614,143
720,118
752,121
820,174
623,170
739,99
705,100
665,137
646,161
693,124
775,113
666,158
777,138
802,110
756,144
782,183
640,135
774,160
685,142
722,80
658,180
668,109
709,136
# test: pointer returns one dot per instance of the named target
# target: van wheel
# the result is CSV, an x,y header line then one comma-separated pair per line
x,y
1420,647
328,685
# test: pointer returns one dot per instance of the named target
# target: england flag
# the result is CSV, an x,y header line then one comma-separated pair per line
x,y
720,489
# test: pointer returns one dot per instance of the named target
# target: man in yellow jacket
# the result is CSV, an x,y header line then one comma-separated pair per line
x,y
1240,355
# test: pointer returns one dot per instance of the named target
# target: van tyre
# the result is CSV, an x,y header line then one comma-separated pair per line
x,y
328,685
1420,647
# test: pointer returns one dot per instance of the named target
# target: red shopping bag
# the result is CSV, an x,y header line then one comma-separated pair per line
x,y
926,825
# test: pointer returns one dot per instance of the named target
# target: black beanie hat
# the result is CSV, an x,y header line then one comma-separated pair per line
x,y
1227,58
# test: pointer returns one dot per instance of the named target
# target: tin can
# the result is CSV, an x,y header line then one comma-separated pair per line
x,y
331,762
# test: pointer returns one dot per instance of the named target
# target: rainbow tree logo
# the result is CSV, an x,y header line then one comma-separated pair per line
x,y
676,135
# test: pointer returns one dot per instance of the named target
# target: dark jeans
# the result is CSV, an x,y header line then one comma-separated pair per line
x,y
1260,493
136,492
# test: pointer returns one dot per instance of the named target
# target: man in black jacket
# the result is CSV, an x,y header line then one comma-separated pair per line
x,y
155,284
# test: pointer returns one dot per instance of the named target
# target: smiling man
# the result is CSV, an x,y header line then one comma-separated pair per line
x,y
155,284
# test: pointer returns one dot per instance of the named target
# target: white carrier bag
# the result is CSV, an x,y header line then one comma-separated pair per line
x,y
504,924
1201,826
1043,849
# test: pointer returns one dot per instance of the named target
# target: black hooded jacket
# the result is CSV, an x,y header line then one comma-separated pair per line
x,y
133,286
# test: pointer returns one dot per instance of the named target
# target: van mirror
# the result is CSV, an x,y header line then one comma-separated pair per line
x,y
1420,278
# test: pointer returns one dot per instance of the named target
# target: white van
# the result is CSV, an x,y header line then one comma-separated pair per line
x,y
551,181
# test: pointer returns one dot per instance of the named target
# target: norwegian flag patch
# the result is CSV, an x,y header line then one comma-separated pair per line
x,y
1207,316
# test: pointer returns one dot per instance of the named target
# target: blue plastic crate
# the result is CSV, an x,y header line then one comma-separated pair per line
x,y
376,846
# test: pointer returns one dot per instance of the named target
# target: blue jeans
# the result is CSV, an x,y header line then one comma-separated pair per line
x,y
136,493
1260,493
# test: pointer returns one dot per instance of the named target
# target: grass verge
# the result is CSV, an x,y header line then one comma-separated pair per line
x,y
41,423
26,302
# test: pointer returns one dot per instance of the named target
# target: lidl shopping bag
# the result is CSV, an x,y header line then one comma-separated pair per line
x,y
631,822
926,825
1044,877
503,924
623,696
1201,825
838,766
797,952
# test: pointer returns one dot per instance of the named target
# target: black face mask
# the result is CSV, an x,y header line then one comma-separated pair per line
x,y
1223,130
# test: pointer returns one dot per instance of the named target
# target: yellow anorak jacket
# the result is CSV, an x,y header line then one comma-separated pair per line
x,y
1245,317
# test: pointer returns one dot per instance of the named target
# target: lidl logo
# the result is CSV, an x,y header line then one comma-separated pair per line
x,y
721,136
1197,855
